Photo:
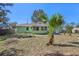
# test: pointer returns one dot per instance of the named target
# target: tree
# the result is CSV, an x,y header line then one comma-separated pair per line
x,y
4,12
4,18
69,29
39,16
77,25
55,22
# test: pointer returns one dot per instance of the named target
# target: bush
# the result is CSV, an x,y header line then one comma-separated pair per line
x,y
6,32
3,38
12,52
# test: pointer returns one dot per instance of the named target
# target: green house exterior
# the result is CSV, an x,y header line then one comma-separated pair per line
x,y
32,28
23,29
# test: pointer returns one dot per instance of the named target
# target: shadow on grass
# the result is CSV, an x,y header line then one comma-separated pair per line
x,y
54,54
59,53
74,43
65,45
20,36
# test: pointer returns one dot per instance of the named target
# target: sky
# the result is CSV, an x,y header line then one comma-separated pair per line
x,y
22,12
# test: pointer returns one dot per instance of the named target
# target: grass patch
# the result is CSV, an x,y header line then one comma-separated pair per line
x,y
2,38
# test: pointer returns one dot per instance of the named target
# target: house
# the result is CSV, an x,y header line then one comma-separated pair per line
x,y
6,28
75,30
3,28
37,28
13,26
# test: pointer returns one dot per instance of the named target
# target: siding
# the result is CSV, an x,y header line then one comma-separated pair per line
x,y
23,29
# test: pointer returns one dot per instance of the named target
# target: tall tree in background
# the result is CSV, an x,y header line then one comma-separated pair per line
x,y
55,22
4,12
4,19
72,23
39,16
77,25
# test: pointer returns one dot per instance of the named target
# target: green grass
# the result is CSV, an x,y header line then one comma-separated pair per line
x,y
2,47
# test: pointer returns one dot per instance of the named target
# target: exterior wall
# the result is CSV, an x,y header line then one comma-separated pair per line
x,y
20,29
40,32
75,29
23,29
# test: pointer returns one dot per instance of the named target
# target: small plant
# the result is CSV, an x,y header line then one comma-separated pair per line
x,y
55,22
3,38
69,29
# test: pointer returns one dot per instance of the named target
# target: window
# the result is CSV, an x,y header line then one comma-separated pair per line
x,y
27,28
36,28
43,28
33,28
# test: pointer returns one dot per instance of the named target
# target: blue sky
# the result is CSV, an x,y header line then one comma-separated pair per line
x,y
21,12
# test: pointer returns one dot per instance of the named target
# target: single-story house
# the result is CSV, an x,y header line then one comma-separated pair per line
x,y
37,28
6,28
75,30
3,28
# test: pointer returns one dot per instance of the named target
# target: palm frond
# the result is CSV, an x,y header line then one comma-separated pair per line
x,y
55,22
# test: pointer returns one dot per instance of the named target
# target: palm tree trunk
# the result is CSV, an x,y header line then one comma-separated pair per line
x,y
64,32
51,40
69,34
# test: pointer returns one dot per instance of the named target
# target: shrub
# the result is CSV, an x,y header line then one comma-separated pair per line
x,y
3,38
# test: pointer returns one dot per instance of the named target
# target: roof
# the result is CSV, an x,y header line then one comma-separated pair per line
x,y
76,28
33,24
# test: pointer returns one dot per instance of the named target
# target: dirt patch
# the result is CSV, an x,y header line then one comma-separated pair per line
x,y
12,52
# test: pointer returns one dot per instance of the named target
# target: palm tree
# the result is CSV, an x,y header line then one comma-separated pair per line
x,y
69,29
39,16
55,22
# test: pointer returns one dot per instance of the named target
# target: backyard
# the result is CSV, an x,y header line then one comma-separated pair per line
x,y
36,46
